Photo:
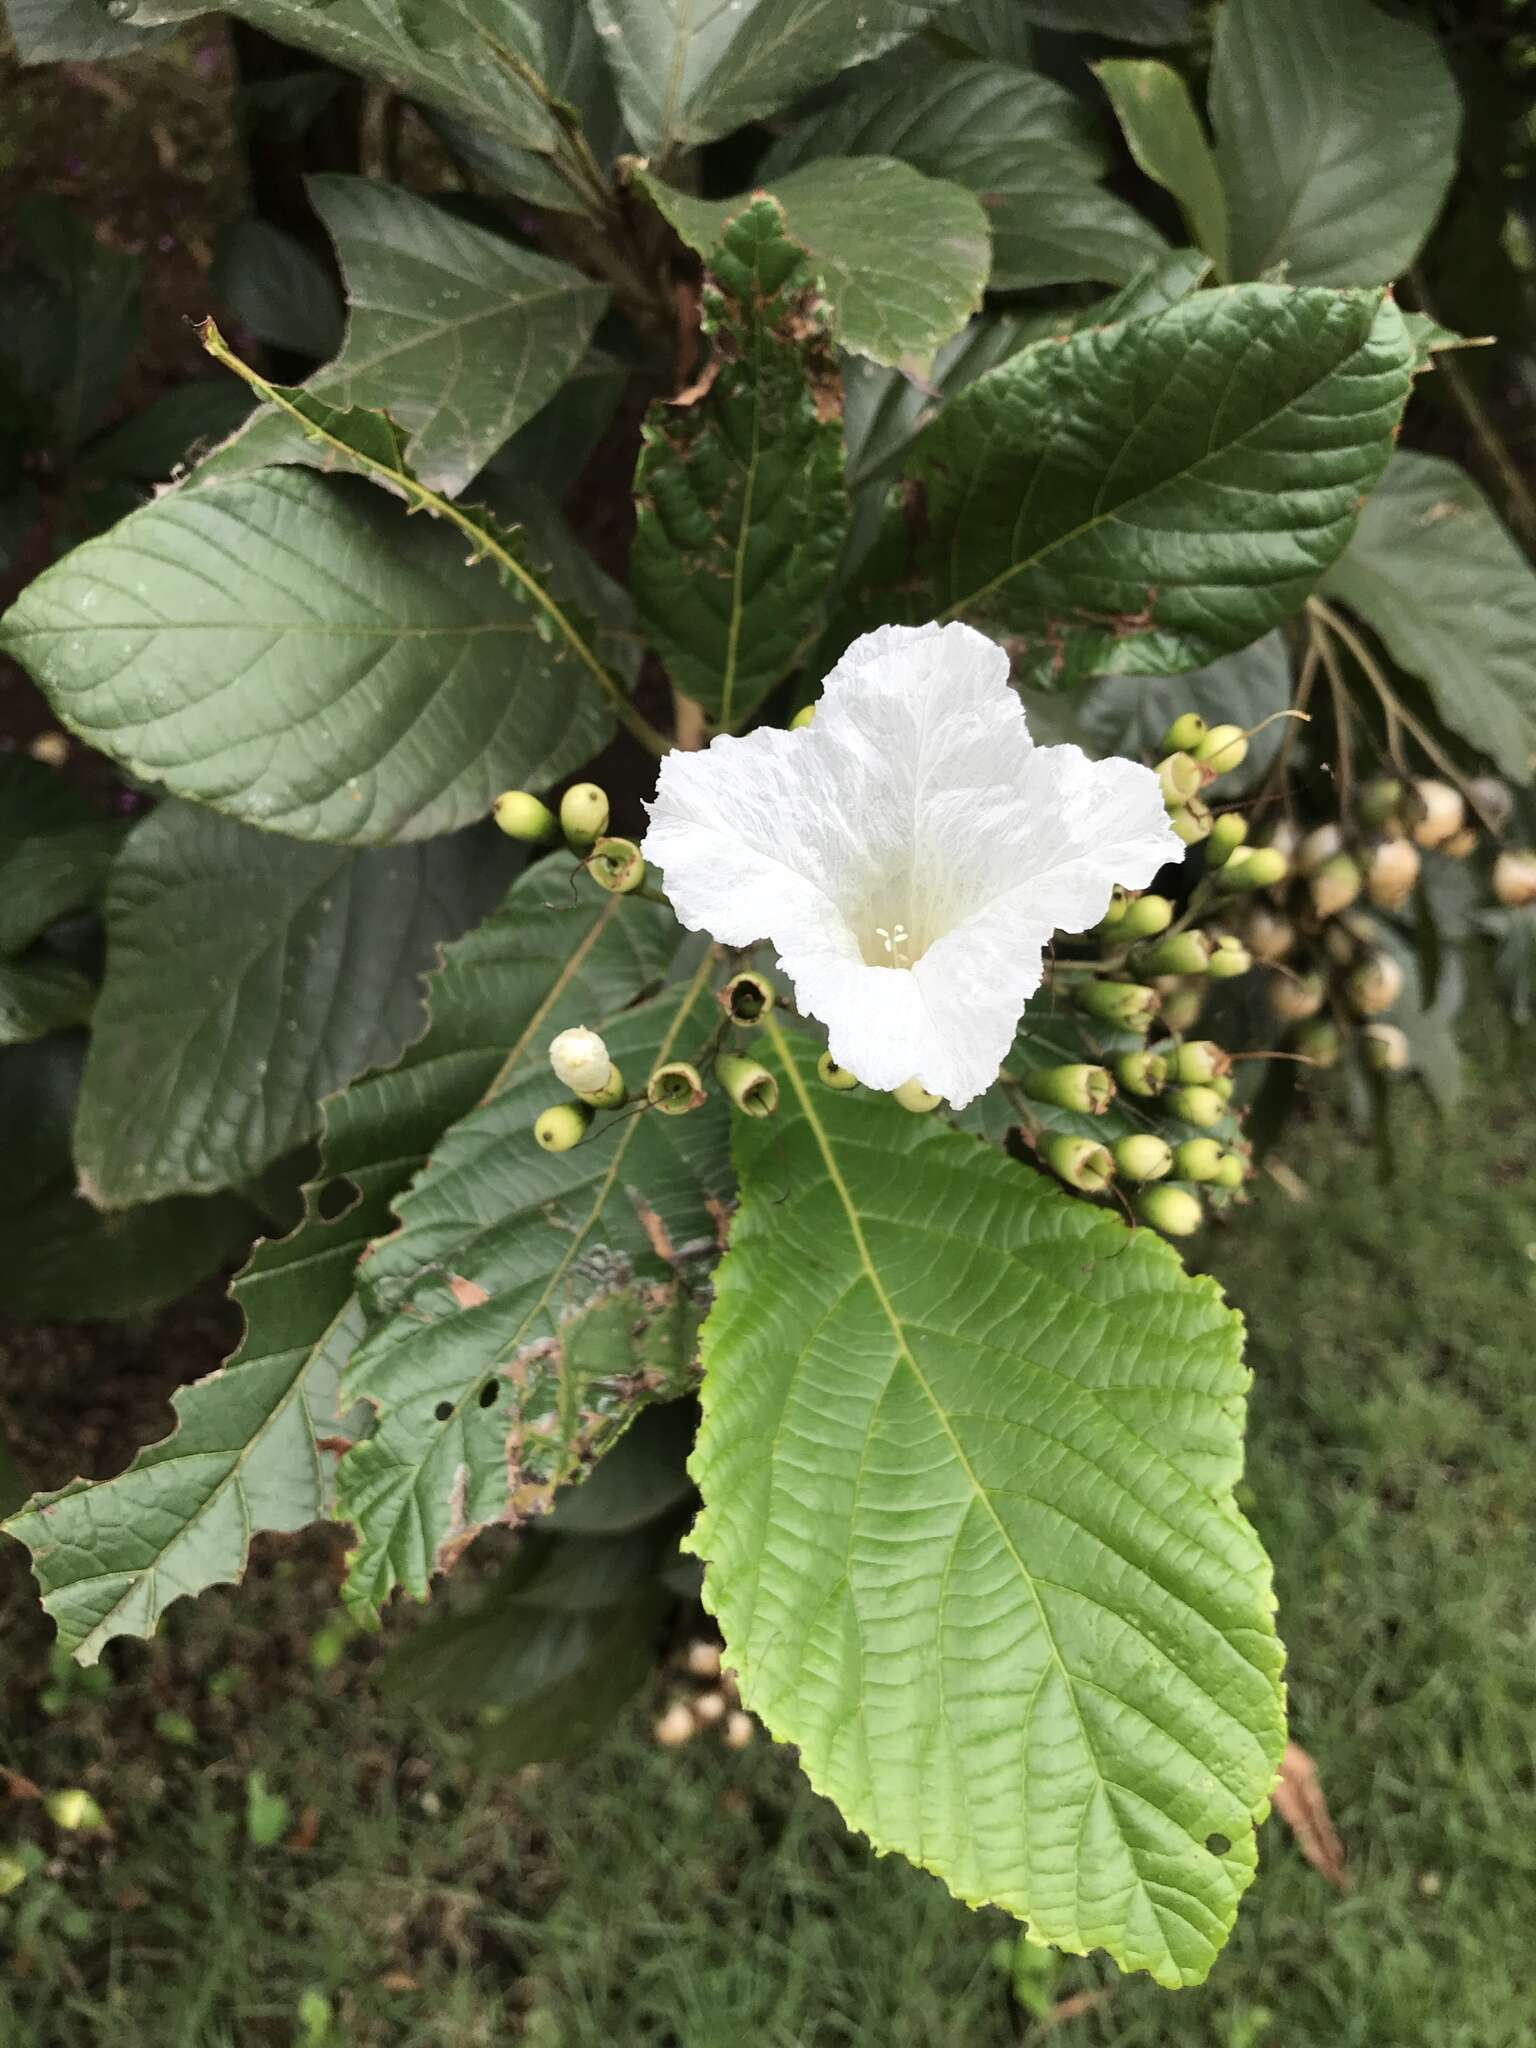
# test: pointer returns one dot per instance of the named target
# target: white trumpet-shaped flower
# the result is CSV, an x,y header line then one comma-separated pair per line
x,y
909,853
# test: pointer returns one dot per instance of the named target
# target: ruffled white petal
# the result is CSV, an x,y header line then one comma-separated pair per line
x,y
915,805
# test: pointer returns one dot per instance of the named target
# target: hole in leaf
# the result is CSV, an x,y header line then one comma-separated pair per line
x,y
443,1410
488,1394
336,1198
1217,1845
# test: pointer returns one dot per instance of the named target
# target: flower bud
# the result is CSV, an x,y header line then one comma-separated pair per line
x,y
1144,918
580,1060
1087,1089
1174,1211
1255,867
1223,748
1198,1060
1179,777
1126,1004
1185,733
1375,984
1387,1048
1202,1106
583,815
675,1088
1182,1008
834,1076
1380,802
1335,885
1226,836
1232,1171
1141,1073
562,1126
1143,1156
1495,800
1081,1162
748,1083
1439,813
1186,952
1319,1042
1514,877
1268,935
1296,997
805,716
1197,1159
74,1809
1229,957
1391,870
617,865
1320,846
913,1096
1461,845
1191,822
521,816
747,998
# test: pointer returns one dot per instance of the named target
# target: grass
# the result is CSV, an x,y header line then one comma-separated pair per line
x,y
703,1898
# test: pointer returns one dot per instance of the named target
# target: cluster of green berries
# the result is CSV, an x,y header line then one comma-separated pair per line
x,y
582,822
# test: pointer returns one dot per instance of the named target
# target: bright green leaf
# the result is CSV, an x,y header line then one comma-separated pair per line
x,y
527,1304
247,977
287,649
1336,129
1167,139
1141,498
1030,152
1433,571
740,498
967,1461
901,258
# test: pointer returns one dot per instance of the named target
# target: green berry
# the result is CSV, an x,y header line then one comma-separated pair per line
x,y
1201,1106
1197,1159
562,1126
1081,1162
583,815
1144,918
1173,1210
1185,733
521,816
834,1076
1143,1156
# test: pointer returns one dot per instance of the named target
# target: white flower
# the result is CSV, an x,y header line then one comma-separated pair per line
x,y
909,853
580,1060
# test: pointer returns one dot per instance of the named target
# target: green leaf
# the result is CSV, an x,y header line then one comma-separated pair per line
x,y
285,648
1142,498
901,258
1434,573
1336,131
527,1304
94,326
277,287
967,1461
39,996
461,335
176,427
73,32
1029,151
1001,28
688,73
1153,106
247,977
55,851
741,509
1512,932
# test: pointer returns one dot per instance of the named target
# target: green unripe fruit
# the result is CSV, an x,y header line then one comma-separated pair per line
x,y
1255,867
747,998
1183,1007
675,1088
13,1874
1198,1060
75,1809
1081,1162
521,816
1226,836
834,1076
1172,1210
1380,801
1387,1048
1143,1156
1197,1159
1192,823
1319,1042
1268,936
610,1095
617,865
583,815
562,1126
1179,777
1224,1086
1335,885
1126,1004
1087,1089
1141,1073
1295,997
1185,733
1202,1106
1180,953
1375,984
1232,1172
748,1083
1229,958
1110,921
914,1097
805,716
1224,748
1144,918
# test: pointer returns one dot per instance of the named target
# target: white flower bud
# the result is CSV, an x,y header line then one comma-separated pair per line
x,y
580,1060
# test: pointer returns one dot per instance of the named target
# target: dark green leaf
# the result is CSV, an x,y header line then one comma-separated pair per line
x,y
277,288
39,996
96,322
178,426
54,851
1000,28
